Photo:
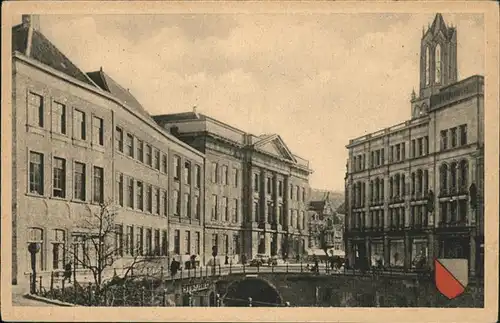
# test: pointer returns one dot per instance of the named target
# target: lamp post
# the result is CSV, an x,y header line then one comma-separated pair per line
x,y
33,248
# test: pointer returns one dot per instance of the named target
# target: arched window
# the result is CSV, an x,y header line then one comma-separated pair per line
x,y
377,185
437,55
463,175
403,191
427,66
443,178
453,170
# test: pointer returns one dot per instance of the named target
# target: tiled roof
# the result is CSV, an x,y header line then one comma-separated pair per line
x,y
45,52
105,82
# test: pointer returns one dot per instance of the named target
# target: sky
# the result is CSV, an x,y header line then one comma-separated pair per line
x,y
317,80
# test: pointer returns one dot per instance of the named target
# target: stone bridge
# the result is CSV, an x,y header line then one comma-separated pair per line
x,y
293,284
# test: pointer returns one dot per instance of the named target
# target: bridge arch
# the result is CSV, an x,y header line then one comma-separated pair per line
x,y
262,291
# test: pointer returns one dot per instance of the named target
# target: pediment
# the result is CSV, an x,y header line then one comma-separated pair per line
x,y
274,145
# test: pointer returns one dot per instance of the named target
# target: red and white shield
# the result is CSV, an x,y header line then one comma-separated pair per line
x,y
451,276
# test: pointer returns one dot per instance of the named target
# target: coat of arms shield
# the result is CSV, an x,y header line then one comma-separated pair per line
x,y
451,276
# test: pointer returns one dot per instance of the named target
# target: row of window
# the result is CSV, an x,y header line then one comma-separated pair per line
x,y
225,216
59,178
268,216
453,178
59,118
420,147
377,158
139,241
223,177
135,241
451,213
454,137
296,218
296,192
375,219
139,195
396,251
224,247
134,147
188,247
450,138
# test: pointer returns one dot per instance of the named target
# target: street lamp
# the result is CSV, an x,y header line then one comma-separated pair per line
x,y
33,248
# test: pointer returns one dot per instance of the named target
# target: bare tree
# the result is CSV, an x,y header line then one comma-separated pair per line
x,y
100,244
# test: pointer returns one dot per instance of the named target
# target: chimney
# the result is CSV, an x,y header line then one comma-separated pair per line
x,y
32,22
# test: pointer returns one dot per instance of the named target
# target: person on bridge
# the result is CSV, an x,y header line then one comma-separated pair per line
x,y
174,267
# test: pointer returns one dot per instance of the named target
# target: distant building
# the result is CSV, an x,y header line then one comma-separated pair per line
x,y
80,140
256,188
326,227
414,191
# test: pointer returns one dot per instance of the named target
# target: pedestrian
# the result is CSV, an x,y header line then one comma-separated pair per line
x,y
174,266
226,262
316,265
243,259
67,272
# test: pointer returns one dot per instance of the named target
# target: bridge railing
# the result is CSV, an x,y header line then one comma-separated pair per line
x,y
293,268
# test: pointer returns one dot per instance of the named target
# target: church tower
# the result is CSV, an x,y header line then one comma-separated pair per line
x,y
438,63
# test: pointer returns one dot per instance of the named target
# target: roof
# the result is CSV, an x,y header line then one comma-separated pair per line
x,y
105,82
182,116
439,25
317,205
45,52
319,198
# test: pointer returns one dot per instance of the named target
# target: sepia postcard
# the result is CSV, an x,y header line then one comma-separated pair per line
x,y
250,161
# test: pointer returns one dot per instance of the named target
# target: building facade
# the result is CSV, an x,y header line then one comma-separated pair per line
x,y
326,225
256,189
414,190
80,140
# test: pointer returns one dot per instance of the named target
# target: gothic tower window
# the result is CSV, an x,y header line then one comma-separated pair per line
x,y
427,67
437,77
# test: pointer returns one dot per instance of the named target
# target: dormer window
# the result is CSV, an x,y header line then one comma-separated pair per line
x,y
437,76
